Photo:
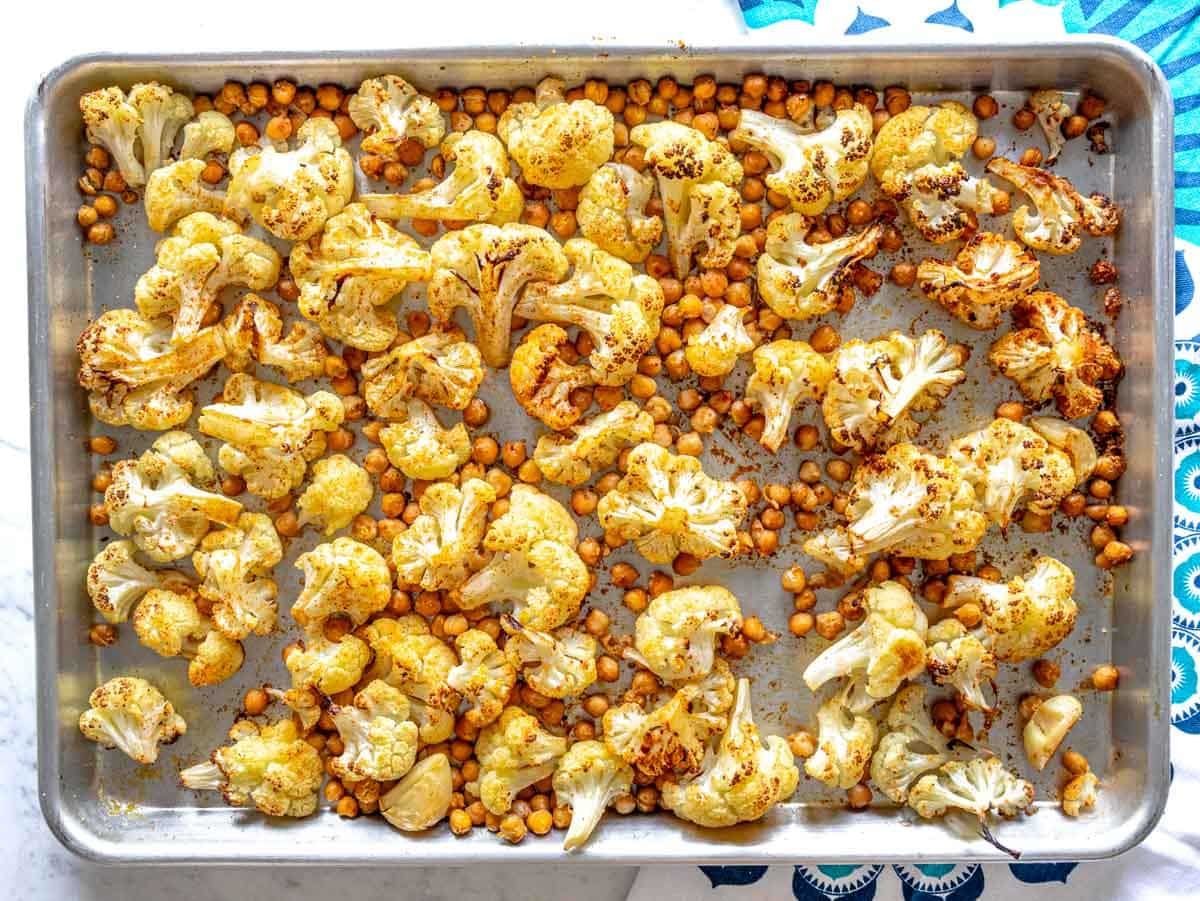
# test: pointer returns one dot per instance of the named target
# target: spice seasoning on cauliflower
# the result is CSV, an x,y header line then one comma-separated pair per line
x,y
254,331
845,738
589,777
911,746
114,123
441,368
676,635
169,623
670,738
573,458
418,663
131,715
786,373
1072,441
958,658
483,676
612,212
1054,353
1061,214
234,566
666,505
558,664
116,581
1080,793
985,278
177,190
162,112
420,447
391,111
380,741
714,350
343,577
340,490
328,666
483,268
1051,112
543,382
435,550
210,132
979,786
514,752
557,144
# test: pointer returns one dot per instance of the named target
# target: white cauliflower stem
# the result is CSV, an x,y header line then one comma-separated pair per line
x,y
589,777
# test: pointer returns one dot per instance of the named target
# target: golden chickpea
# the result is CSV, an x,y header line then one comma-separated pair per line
x,y
102,479
623,575
287,524
512,829
754,630
1031,156
87,216
858,796
829,625
1074,762
985,106
246,133
1046,673
347,808
1024,118
607,669
513,454
824,339
256,702
969,615
1105,677
101,233
635,600
102,635
800,623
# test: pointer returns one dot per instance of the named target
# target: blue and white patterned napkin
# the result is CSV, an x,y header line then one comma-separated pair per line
x,y
1167,864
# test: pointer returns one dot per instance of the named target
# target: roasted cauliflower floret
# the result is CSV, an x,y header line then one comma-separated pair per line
x,y
420,447
878,385
666,505
116,581
594,445
254,331
440,368
619,310
542,380
957,658
340,490
483,268
162,501
514,752
1025,617
477,189
812,169
911,747
799,280
1080,793
380,740
203,255
114,123
558,664
358,264
844,742
741,780
1061,214
131,715
589,777
696,180
676,635
1010,465
270,432
177,190
979,786
418,663
210,132
786,374
670,738
269,767
1054,353
169,623
557,144
422,798
162,113
391,112
611,212
328,666
1048,727
343,577
532,516
906,501
435,550
985,278
714,350
1051,112
887,648
483,676
136,376
234,566
292,193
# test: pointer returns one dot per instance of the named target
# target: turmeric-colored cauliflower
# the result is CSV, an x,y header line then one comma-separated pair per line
x,y
676,635
513,753
358,264
483,676
542,380
911,746
714,350
477,189
878,385
254,331
845,738
483,268
234,566
293,193
741,780
594,445
666,505
420,447
440,368
114,123
380,742
391,112
696,180
328,666
589,777
210,132
619,310
133,716
168,622
557,144
116,581
908,502
799,280
136,376
670,738
1026,616
340,490
786,374
177,190
1080,793
986,277
341,577
162,112
611,212
958,658
812,169
1054,353
1010,465
435,550
1061,214
410,658
558,664
203,255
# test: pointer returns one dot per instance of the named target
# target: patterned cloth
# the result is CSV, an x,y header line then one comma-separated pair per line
x,y
1167,864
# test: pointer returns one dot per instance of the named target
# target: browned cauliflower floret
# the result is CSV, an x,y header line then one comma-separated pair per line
x,y
136,376
340,490
514,752
558,664
483,676
666,505
483,268
342,577
572,459
380,742
234,566
440,368
557,144
845,738
169,623
542,379
177,190
786,374
1054,353
113,123
418,663
116,580
984,279
676,635
254,331
714,350
1051,112
210,132
132,715
358,264
391,112
1061,213
435,551
611,212
420,447
669,738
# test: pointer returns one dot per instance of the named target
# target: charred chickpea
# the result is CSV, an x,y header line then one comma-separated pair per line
x,y
1031,156
858,796
1011,410
903,274
105,206
830,624
1046,673
1092,106
255,702
824,339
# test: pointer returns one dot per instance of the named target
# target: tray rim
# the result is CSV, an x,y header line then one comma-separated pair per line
x,y
77,838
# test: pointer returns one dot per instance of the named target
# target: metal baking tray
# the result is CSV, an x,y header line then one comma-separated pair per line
x,y
105,808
